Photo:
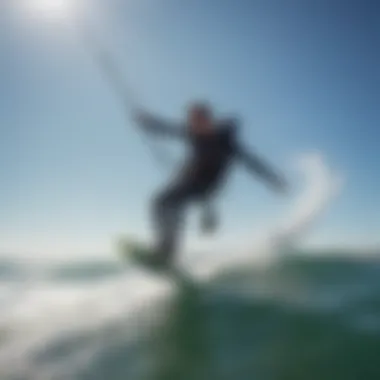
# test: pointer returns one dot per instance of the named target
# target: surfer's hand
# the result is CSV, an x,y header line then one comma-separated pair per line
x,y
141,117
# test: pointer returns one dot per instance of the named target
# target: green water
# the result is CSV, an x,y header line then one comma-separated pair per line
x,y
317,319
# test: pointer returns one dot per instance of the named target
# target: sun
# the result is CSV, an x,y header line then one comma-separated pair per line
x,y
53,8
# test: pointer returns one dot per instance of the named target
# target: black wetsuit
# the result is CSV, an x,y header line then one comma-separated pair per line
x,y
203,173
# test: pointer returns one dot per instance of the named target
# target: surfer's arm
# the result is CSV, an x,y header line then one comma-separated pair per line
x,y
259,167
158,126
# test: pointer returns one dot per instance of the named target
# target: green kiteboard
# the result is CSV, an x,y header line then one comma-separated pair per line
x,y
139,254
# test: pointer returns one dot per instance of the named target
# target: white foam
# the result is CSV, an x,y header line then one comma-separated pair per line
x,y
48,314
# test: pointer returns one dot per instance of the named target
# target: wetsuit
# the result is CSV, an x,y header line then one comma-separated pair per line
x,y
203,173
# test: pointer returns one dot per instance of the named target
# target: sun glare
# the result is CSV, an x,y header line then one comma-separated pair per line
x,y
53,8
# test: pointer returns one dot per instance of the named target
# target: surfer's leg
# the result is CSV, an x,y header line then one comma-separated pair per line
x,y
168,212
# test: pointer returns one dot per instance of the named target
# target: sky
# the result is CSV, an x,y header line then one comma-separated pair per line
x,y
300,76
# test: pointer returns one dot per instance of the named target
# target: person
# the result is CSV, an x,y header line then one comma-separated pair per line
x,y
214,146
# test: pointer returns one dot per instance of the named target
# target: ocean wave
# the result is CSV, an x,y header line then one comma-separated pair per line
x,y
133,324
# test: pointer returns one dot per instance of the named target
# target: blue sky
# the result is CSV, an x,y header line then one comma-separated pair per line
x,y
301,76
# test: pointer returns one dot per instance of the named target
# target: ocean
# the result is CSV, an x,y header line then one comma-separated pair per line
x,y
264,311
304,316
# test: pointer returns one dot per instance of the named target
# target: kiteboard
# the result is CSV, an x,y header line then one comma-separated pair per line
x,y
141,255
